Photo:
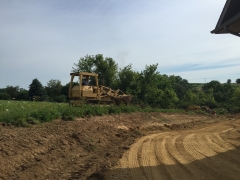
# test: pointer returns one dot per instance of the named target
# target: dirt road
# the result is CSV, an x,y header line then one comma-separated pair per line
x,y
211,152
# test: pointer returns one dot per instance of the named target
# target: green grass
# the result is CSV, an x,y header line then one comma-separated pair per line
x,y
24,113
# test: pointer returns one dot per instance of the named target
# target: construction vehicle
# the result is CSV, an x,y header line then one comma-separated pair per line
x,y
86,93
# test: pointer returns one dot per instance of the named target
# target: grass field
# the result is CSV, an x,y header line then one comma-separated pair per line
x,y
24,113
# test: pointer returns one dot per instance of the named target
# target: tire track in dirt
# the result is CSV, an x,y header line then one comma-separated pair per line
x,y
212,152
179,159
163,156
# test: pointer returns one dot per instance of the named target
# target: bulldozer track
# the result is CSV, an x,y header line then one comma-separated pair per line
x,y
211,152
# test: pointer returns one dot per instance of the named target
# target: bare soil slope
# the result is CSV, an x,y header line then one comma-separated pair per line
x,y
171,146
210,152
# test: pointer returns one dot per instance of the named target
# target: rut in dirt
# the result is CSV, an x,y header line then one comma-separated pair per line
x,y
209,153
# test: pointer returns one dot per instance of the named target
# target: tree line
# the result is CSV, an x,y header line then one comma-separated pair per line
x,y
147,87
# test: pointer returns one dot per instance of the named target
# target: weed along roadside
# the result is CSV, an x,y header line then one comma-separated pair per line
x,y
25,113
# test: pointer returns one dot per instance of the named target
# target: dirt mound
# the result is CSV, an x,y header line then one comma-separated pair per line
x,y
78,149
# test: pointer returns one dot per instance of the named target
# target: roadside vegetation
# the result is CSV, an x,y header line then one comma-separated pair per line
x,y
150,89
25,113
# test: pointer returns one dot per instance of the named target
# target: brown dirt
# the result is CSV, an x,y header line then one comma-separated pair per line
x,y
149,146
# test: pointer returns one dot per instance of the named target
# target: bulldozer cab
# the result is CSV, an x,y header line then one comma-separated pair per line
x,y
83,90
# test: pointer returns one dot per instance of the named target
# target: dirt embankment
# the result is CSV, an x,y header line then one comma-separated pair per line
x,y
77,149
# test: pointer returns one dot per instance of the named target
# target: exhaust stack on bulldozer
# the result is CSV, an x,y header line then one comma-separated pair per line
x,y
85,93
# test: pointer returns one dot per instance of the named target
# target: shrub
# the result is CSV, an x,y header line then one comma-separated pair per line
x,y
61,98
20,122
31,120
220,111
4,96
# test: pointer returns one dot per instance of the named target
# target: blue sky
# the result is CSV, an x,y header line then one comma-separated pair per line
x,y
43,39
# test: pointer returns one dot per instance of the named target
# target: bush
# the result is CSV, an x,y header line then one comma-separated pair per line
x,y
20,122
183,104
31,120
44,115
114,110
220,111
61,98
232,108
68,118
4,96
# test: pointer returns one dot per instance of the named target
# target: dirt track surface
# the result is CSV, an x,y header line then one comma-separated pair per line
x,y
149,146
210,152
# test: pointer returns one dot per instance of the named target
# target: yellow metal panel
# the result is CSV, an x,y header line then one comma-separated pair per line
x,y
89,94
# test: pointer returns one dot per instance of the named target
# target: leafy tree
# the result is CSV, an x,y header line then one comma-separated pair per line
x,y
105,68
190,98
85,64
22,94
36,89
154,97
206,98
12,91
221,92
4,96
180,86
229,81
156,89
148,80
228,91
238,81
169,98
163,82
215,85
128,81
2,89
236,97
53,88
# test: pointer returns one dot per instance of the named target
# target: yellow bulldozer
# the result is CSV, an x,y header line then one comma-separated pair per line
x,y
86,93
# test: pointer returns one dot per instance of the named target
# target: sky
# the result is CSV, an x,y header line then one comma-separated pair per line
x,y
43,39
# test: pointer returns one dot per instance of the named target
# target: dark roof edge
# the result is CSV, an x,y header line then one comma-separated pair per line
x,y
226,24
223,13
